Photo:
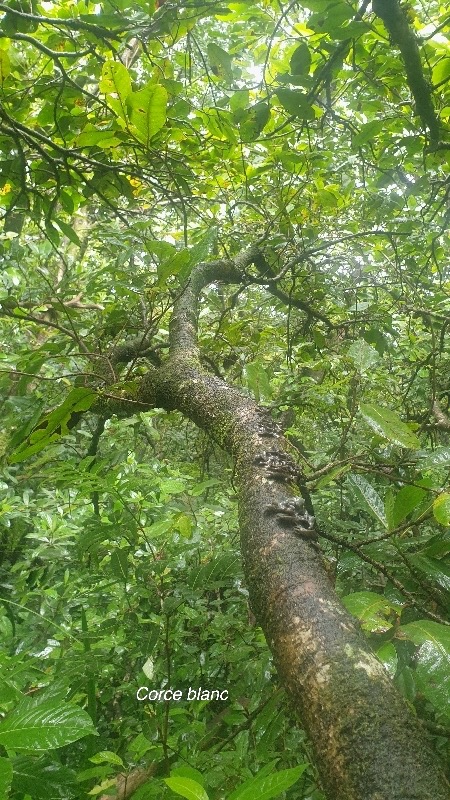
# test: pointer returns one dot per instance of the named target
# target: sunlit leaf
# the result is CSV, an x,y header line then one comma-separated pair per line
x,y
441,508
106,756
5,65
148,111
115,83
54,425
186,787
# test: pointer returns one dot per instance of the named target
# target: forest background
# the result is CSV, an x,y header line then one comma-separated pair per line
x,y
225,303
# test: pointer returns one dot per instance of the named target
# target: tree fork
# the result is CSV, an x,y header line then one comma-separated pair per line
x,y
367,741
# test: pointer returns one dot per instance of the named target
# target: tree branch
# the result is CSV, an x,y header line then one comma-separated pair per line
x,y
402,36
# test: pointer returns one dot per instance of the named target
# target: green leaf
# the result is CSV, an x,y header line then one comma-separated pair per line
x,y
389,502
186,771
406,501
186,787
45,726
296,103
183,524
42,777
200,251
149,668
172,486
239,100
24,430
363,355
437,458
148,109
90,136
333,475
370,497
388,656
6,773
220,568
432,661
52,233
371,609
264,787
68,231
199,488
119,563
368,131
106,756
220,61
300,60
254,121
434,569
439,545
162,250
5,65
389,425
115,83
442,70
258,380
351,31
54,425
441,508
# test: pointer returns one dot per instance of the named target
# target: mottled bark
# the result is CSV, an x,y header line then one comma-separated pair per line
x,y
368,743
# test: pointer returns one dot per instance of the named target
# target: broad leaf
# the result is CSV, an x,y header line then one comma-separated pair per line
x,y
371,609
441,508
220,61
43,777
258,380
267,786
186,787
406,501
389,425
388,656
295,103
434,569
6,773
432,661
437,458
45,727
54,425
253,121
300,61
148,111
5,65
370,497
115,83
363,355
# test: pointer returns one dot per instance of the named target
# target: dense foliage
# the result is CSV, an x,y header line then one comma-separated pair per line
x,y
137,140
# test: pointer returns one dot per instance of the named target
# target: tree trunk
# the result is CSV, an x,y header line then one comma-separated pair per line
x,y
367,741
